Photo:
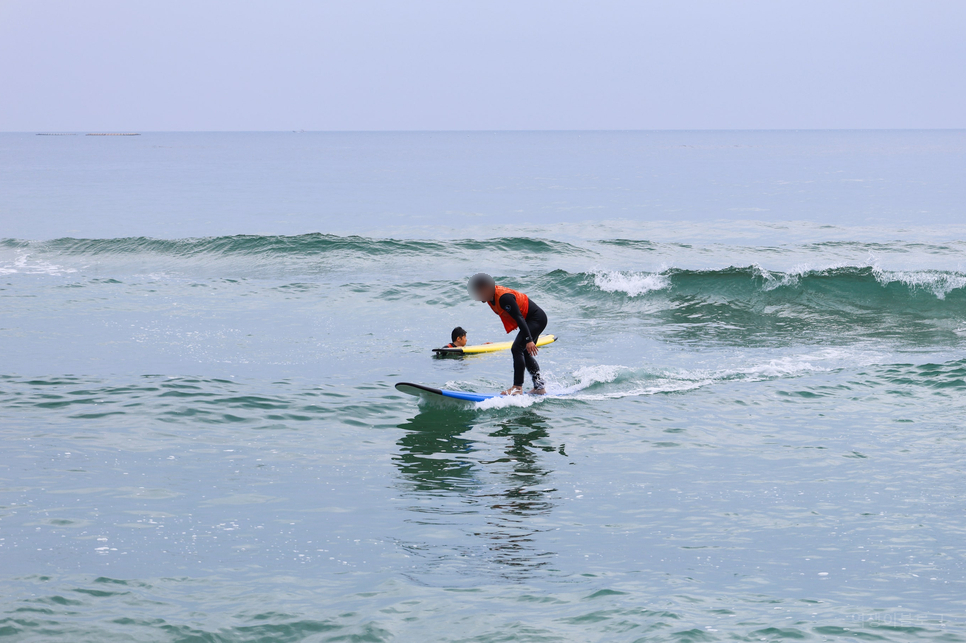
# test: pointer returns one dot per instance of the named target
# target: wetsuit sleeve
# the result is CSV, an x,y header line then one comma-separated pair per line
x,y
509,303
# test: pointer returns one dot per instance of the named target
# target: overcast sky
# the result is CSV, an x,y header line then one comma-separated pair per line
x,y
485,64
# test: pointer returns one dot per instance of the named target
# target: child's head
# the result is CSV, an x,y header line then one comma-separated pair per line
x,y
458,337
481,287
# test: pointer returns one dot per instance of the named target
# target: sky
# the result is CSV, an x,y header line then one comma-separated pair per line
x,y
209,65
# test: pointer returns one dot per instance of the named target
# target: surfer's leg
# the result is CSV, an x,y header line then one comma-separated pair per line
x,y
537,322
519,352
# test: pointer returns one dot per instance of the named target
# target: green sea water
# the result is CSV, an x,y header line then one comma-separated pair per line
x,y
760,360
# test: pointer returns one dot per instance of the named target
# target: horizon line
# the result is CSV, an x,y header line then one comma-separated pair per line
x,y
102,131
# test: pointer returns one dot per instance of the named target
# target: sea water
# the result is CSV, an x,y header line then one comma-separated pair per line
x,y
761,343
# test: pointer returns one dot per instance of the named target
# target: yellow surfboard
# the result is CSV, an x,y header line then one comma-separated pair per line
x,y
543,340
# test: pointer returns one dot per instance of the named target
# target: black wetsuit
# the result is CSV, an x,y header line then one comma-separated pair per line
x,y
530,328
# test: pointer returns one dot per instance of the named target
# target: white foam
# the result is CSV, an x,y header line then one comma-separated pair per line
x,y
585,376
785,367
683,380
772,282
23,264
938,283
631,283
654,387
781,367
505,401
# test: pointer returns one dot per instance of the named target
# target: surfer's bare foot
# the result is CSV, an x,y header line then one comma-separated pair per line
x,y
538,391
513,390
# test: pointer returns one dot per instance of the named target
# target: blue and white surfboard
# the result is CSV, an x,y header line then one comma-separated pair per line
x,y
428,391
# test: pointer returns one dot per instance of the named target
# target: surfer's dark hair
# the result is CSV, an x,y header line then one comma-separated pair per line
x,y
457,333
480,281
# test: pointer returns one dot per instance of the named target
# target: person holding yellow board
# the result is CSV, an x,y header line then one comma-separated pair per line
x,y
458,337
517,311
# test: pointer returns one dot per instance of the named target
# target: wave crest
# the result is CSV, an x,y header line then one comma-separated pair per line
x,y
632,284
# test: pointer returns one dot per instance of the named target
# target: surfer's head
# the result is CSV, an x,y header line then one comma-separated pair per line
x,y
482,287
458,337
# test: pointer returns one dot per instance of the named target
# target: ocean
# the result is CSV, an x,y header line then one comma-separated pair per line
x,y
761,351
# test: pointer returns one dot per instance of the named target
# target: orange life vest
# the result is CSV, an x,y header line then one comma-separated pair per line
x,y
523,302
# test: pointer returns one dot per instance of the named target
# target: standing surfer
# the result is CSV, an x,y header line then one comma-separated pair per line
x,y
517,311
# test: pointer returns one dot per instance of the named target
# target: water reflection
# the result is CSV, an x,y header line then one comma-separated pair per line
x,y
524,497
472,508
432,454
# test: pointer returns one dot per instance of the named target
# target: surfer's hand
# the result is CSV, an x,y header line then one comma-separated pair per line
x,y
532,348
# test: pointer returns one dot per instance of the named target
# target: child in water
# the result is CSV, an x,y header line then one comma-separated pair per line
x,y
458,337
517,311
